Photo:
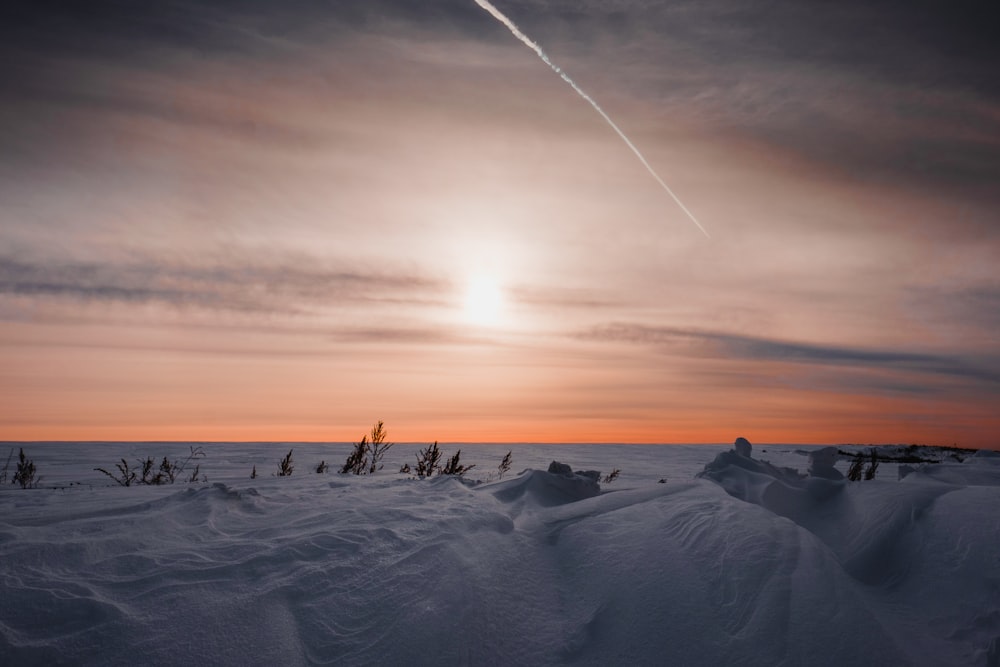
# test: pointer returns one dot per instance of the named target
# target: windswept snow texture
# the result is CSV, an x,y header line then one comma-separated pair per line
x,y
737,559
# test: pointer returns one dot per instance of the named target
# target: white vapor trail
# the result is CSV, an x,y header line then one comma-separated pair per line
x,y
558,70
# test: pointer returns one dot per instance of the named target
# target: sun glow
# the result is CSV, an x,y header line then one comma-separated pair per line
x,y
484,301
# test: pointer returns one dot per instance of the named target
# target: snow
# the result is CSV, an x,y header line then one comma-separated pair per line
x,y
738,558
822,463
556,486
743,447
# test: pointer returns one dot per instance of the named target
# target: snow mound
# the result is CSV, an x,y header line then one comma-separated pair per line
x,y
822,463
869,531
558,485
747,478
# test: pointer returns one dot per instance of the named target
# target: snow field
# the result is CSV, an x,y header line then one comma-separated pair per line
x,y
748,564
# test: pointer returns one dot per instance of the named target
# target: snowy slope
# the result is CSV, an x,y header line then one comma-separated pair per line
x,y
748,564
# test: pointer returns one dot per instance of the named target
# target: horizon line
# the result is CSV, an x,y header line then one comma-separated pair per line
x,y
505,443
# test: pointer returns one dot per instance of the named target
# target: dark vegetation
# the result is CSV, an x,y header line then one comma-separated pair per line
x,y
872,466
911,453
857,464
366,457
429,462
168,471
24,474
357,460
898,454
453,467
285,465
505,464
378,446
857,470
6,467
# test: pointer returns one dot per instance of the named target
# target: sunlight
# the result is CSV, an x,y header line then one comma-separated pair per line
x,y
484,301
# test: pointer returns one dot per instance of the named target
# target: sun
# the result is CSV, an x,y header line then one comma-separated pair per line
x,y
484,301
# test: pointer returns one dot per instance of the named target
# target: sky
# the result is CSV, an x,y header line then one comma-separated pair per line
x,y
266,220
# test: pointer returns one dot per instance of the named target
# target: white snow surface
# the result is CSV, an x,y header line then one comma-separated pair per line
x,y
737,558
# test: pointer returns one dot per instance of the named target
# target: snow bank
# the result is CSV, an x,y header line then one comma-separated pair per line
x,y
869,535
910,542
981,469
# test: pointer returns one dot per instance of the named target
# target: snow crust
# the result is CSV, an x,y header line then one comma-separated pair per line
x,y
734,559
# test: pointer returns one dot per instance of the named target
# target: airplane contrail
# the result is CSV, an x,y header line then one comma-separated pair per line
x,y
499,16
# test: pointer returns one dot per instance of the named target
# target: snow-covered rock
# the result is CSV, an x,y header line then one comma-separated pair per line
x,y
821,463
546,488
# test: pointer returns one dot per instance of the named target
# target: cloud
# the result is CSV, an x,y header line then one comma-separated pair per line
x,y
896,93
983,370
162,101
562,297
290,287
956,310
410,335
878,40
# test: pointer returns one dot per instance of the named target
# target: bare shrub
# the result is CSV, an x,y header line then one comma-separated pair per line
x,y
857,465
322,467
366,457
146,476
6,467
177,469
505,464
378,446
611,476
357,460
453,467
25,473
167,473
872,465
428,460
194,475
125,475
285,466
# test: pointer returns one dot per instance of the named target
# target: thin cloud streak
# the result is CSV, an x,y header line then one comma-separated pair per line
x,y
563,297
241,287
750,348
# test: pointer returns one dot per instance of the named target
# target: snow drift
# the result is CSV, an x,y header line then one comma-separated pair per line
x,y
750,563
